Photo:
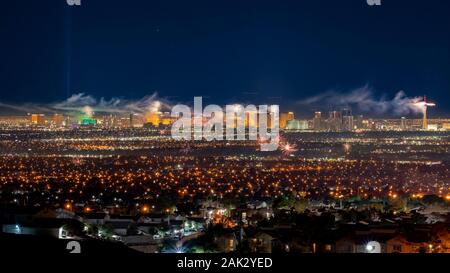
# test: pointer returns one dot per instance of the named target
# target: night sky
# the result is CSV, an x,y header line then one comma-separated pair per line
x,y
226,50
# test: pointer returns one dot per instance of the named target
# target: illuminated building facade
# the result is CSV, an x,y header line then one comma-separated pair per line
x,y
317,121
58,120
284,118
38,119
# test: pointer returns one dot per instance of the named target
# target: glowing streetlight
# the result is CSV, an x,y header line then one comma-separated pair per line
x,y
373,247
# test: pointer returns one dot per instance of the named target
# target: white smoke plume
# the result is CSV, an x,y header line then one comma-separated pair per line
x,y
364,99
89,105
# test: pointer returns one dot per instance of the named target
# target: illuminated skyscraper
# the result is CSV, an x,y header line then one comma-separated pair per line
x,y
403,124
317,121
347,119
297,125
38,119
291,115
335,121
425,118
58,120
423,105
154,118
359,121
284,118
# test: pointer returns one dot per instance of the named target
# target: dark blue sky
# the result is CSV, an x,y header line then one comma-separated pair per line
x,y
229,50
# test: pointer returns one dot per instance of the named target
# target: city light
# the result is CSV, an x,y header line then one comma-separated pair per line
x,y
373,247
145,209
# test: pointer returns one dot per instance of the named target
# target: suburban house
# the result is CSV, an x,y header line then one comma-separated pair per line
x,y
226,242
262,242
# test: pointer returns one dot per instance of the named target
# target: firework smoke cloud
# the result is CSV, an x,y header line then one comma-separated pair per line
x,y
364,99
88,105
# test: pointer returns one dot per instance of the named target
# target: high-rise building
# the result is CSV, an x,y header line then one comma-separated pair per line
x,y
131,120
359,122
38,119
335,115
296,125
424,104
251,119
346,112
348,123
335,121
424,120
317,121
58,120
154,118
291,115
403,124
284,118
304,125
110,121
347,119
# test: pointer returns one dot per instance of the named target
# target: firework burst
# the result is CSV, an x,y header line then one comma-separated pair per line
x,y
287,148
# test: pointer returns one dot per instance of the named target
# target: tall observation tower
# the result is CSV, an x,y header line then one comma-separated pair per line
x,y
424,106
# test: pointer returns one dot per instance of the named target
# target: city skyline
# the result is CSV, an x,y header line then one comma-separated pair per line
x,y
87,105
